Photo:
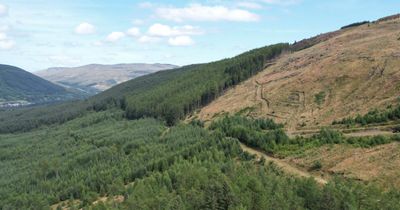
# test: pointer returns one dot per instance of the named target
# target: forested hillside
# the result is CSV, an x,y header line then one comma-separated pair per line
x,y
21,87
141,164
168,95
134,146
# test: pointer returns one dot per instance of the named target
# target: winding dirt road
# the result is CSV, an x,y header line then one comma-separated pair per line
x,y
283,165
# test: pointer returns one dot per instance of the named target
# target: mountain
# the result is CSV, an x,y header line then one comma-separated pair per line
x,y
19,87
143,144
95,78
335,75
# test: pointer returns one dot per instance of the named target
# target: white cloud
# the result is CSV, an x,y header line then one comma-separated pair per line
x,y
168,31
249,5
148,39
198,12
3,10
180,41
85,28
115,36
282,2
133,32
5,42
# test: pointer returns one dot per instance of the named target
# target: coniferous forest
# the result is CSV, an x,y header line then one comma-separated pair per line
x,y
131,146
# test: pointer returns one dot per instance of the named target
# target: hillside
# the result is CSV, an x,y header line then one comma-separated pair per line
x,y
343,73
95,78
19,87
141,145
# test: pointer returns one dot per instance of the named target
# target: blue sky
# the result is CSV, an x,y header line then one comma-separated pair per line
x,y
37,34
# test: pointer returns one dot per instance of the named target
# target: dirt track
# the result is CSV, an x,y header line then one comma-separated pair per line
x,y
283,165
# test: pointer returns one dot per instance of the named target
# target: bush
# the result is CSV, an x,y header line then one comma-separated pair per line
x,y
317,165
329,136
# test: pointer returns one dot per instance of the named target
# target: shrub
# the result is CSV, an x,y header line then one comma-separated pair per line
x,y
317,165
329,136
320,98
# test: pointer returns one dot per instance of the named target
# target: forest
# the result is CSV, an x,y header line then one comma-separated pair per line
x,y
166,95
157,167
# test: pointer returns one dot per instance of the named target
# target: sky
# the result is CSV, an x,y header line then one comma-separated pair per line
x,y
37,34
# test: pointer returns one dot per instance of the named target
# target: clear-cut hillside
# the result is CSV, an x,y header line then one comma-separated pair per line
x,y
349,71
95,78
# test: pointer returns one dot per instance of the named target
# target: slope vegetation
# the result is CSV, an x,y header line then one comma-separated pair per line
x,y
18,87
337,75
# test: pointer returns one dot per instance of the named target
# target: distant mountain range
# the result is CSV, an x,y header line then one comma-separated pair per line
x,y
19,87
95,78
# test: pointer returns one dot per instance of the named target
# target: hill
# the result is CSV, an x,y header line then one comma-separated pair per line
x,y
19,87
335,75
95,78
127,148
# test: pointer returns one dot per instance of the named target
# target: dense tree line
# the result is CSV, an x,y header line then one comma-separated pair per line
x,y
183,167
268,136
374,116
197,85
260,133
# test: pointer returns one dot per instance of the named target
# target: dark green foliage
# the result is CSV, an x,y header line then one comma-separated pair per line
x,y
194,86
17,84
329,136
317,165
320,98
167,95
396,129
355,24
184,168
374,116
261,133
92,156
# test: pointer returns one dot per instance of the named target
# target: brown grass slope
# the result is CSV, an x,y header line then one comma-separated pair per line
x,y
352,71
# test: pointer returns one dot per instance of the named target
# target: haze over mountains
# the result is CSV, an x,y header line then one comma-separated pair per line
x,y
95,78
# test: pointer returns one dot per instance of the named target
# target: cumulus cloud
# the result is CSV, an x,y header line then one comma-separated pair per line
x,y
3,10
168,31
148,39
180,41
198,12
85,28
133,32
115,36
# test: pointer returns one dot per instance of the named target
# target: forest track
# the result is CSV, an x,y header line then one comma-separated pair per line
x,y
286,167
346,132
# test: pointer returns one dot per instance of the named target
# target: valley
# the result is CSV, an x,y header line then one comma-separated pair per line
x,y
308,125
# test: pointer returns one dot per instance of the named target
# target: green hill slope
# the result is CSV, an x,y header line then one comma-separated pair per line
x,y
19,85
168,95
